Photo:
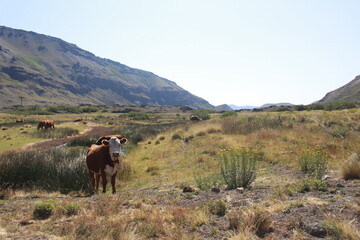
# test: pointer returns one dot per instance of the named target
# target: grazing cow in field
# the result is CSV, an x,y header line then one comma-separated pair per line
x,y
103,160
46,124
195,118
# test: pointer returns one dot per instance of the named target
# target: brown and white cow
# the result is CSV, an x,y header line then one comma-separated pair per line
x,y
103,160
195,118
46,124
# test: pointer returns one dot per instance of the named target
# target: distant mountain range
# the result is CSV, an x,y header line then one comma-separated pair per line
x,y
350,92
44,70
235,107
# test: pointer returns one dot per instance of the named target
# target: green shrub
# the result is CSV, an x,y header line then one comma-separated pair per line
x,y
31,110
43,210
135,116
300,107
204,114
228,114
176,136
218,207
307,185
201,134
238,166
214,180
72,209
313,162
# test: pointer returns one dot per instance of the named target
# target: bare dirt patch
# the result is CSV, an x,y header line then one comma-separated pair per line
x,y
94,131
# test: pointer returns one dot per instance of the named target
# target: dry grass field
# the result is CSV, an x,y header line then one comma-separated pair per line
x,y
303,168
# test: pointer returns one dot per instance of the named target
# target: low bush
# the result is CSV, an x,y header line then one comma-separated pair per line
x,y
218,207
43,210
228,114
351,168
214,180
135,116
72,209
204,114
83,142
201,134
55,133
176,136
307,185
313,162
339,132
239,166
50,170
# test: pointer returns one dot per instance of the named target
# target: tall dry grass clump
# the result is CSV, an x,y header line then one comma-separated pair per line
x,y
251,220
50,170
341,229
248,124
238,166
313,162
351,168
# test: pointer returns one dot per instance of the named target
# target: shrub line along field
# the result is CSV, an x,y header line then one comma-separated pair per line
x,y
263,175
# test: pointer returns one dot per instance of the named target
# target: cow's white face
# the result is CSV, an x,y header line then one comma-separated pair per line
x,y
114,147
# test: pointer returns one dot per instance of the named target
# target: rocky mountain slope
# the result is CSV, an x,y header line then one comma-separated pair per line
x,y
45,70
350,92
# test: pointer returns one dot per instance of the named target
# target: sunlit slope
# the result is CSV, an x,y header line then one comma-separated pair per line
x,y
347,93
48,70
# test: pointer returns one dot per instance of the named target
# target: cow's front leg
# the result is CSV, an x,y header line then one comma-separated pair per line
x,y
97,182
104,180
113,177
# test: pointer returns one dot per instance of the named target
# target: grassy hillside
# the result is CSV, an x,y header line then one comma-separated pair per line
x,y
347,93
49,71
167,154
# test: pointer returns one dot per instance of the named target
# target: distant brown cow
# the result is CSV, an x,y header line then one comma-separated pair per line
x,y
46,124
103,160
195,118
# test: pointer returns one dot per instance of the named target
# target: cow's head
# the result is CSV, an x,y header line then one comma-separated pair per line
x,y
115,146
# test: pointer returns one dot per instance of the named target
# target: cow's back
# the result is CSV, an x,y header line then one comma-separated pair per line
x,y
96,157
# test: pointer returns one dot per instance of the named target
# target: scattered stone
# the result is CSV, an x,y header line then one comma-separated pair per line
x,y
332,190
315,229
240,189
339,185
25,222
188,189
325,177
215,190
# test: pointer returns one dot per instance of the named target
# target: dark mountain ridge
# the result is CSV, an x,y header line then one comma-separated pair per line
x,y
49,71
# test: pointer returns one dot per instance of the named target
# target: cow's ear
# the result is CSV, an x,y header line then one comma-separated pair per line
x,y
105,142
123,141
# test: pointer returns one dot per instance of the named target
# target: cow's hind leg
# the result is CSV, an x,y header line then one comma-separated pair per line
x,y
92,178
113,177
97,182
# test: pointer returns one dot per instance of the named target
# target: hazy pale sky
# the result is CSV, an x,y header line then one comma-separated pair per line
x,y
226,51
